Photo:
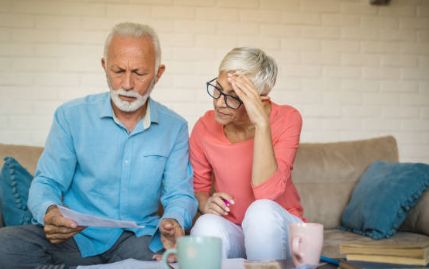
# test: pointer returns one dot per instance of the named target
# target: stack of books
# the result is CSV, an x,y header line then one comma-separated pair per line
x,y
386,252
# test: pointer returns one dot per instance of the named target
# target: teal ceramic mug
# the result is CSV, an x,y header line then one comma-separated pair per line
x,y
196,252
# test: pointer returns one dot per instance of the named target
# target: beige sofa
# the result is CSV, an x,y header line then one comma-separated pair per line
x,y
324,174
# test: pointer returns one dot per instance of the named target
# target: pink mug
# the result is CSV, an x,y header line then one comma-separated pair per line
x,y
305,243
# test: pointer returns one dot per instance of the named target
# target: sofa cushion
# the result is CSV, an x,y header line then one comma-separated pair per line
x,y
15,181
418,218
28,156
326,173
383,196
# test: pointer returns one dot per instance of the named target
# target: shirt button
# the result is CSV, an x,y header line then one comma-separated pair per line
x,y
126,161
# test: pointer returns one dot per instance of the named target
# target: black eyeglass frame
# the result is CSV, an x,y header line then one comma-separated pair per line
x,y
224,94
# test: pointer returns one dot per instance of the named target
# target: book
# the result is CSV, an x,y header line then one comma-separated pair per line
x,y
262,264
388,259
382,265
386,248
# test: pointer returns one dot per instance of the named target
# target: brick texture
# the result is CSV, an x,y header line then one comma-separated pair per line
x,y
353,70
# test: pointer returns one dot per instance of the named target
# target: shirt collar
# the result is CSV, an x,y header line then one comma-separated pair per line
x,y
151,112
146,119
154,116
107,110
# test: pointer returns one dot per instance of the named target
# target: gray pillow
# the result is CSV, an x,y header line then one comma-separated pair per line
x,y
417,220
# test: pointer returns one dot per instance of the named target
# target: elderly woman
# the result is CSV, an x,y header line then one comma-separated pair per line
x,y
247,146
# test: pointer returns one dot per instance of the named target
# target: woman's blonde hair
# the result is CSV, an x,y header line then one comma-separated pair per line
x,y
261,68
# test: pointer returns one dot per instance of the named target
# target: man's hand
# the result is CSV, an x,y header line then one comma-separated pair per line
x,y
57,228
170,231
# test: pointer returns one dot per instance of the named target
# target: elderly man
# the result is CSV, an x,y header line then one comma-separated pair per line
x,y
117,156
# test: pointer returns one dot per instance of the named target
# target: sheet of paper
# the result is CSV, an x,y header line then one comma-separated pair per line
x,y
237,263
135,264
129,264
90,221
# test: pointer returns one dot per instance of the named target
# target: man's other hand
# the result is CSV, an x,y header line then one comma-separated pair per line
x,y
57,228
170,231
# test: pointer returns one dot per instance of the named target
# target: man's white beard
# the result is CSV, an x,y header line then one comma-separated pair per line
x,y
129,106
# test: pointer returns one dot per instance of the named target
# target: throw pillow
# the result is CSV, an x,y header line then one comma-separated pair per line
x,y
383,196
15,182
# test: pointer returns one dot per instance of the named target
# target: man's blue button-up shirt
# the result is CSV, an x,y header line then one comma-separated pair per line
x,y
97,167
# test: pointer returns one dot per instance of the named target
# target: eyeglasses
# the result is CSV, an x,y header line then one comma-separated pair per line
x,y
215,93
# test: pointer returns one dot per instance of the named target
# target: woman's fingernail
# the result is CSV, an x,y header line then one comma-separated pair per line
x,y
232,202
227,209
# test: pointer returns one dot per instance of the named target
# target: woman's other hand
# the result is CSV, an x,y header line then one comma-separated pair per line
x,y
219,204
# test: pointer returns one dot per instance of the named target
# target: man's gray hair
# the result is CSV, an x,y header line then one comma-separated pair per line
x,y
261,68
136,30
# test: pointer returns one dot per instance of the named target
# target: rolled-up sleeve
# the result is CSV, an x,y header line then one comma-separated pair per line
x,y
285,148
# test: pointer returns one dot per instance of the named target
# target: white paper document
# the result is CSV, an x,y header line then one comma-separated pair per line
x,y
135,264
129,264
91,221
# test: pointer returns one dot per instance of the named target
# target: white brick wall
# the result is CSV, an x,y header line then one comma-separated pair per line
x,y
353,70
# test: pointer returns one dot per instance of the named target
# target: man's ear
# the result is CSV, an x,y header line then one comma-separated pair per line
x,y
103,64
161,70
